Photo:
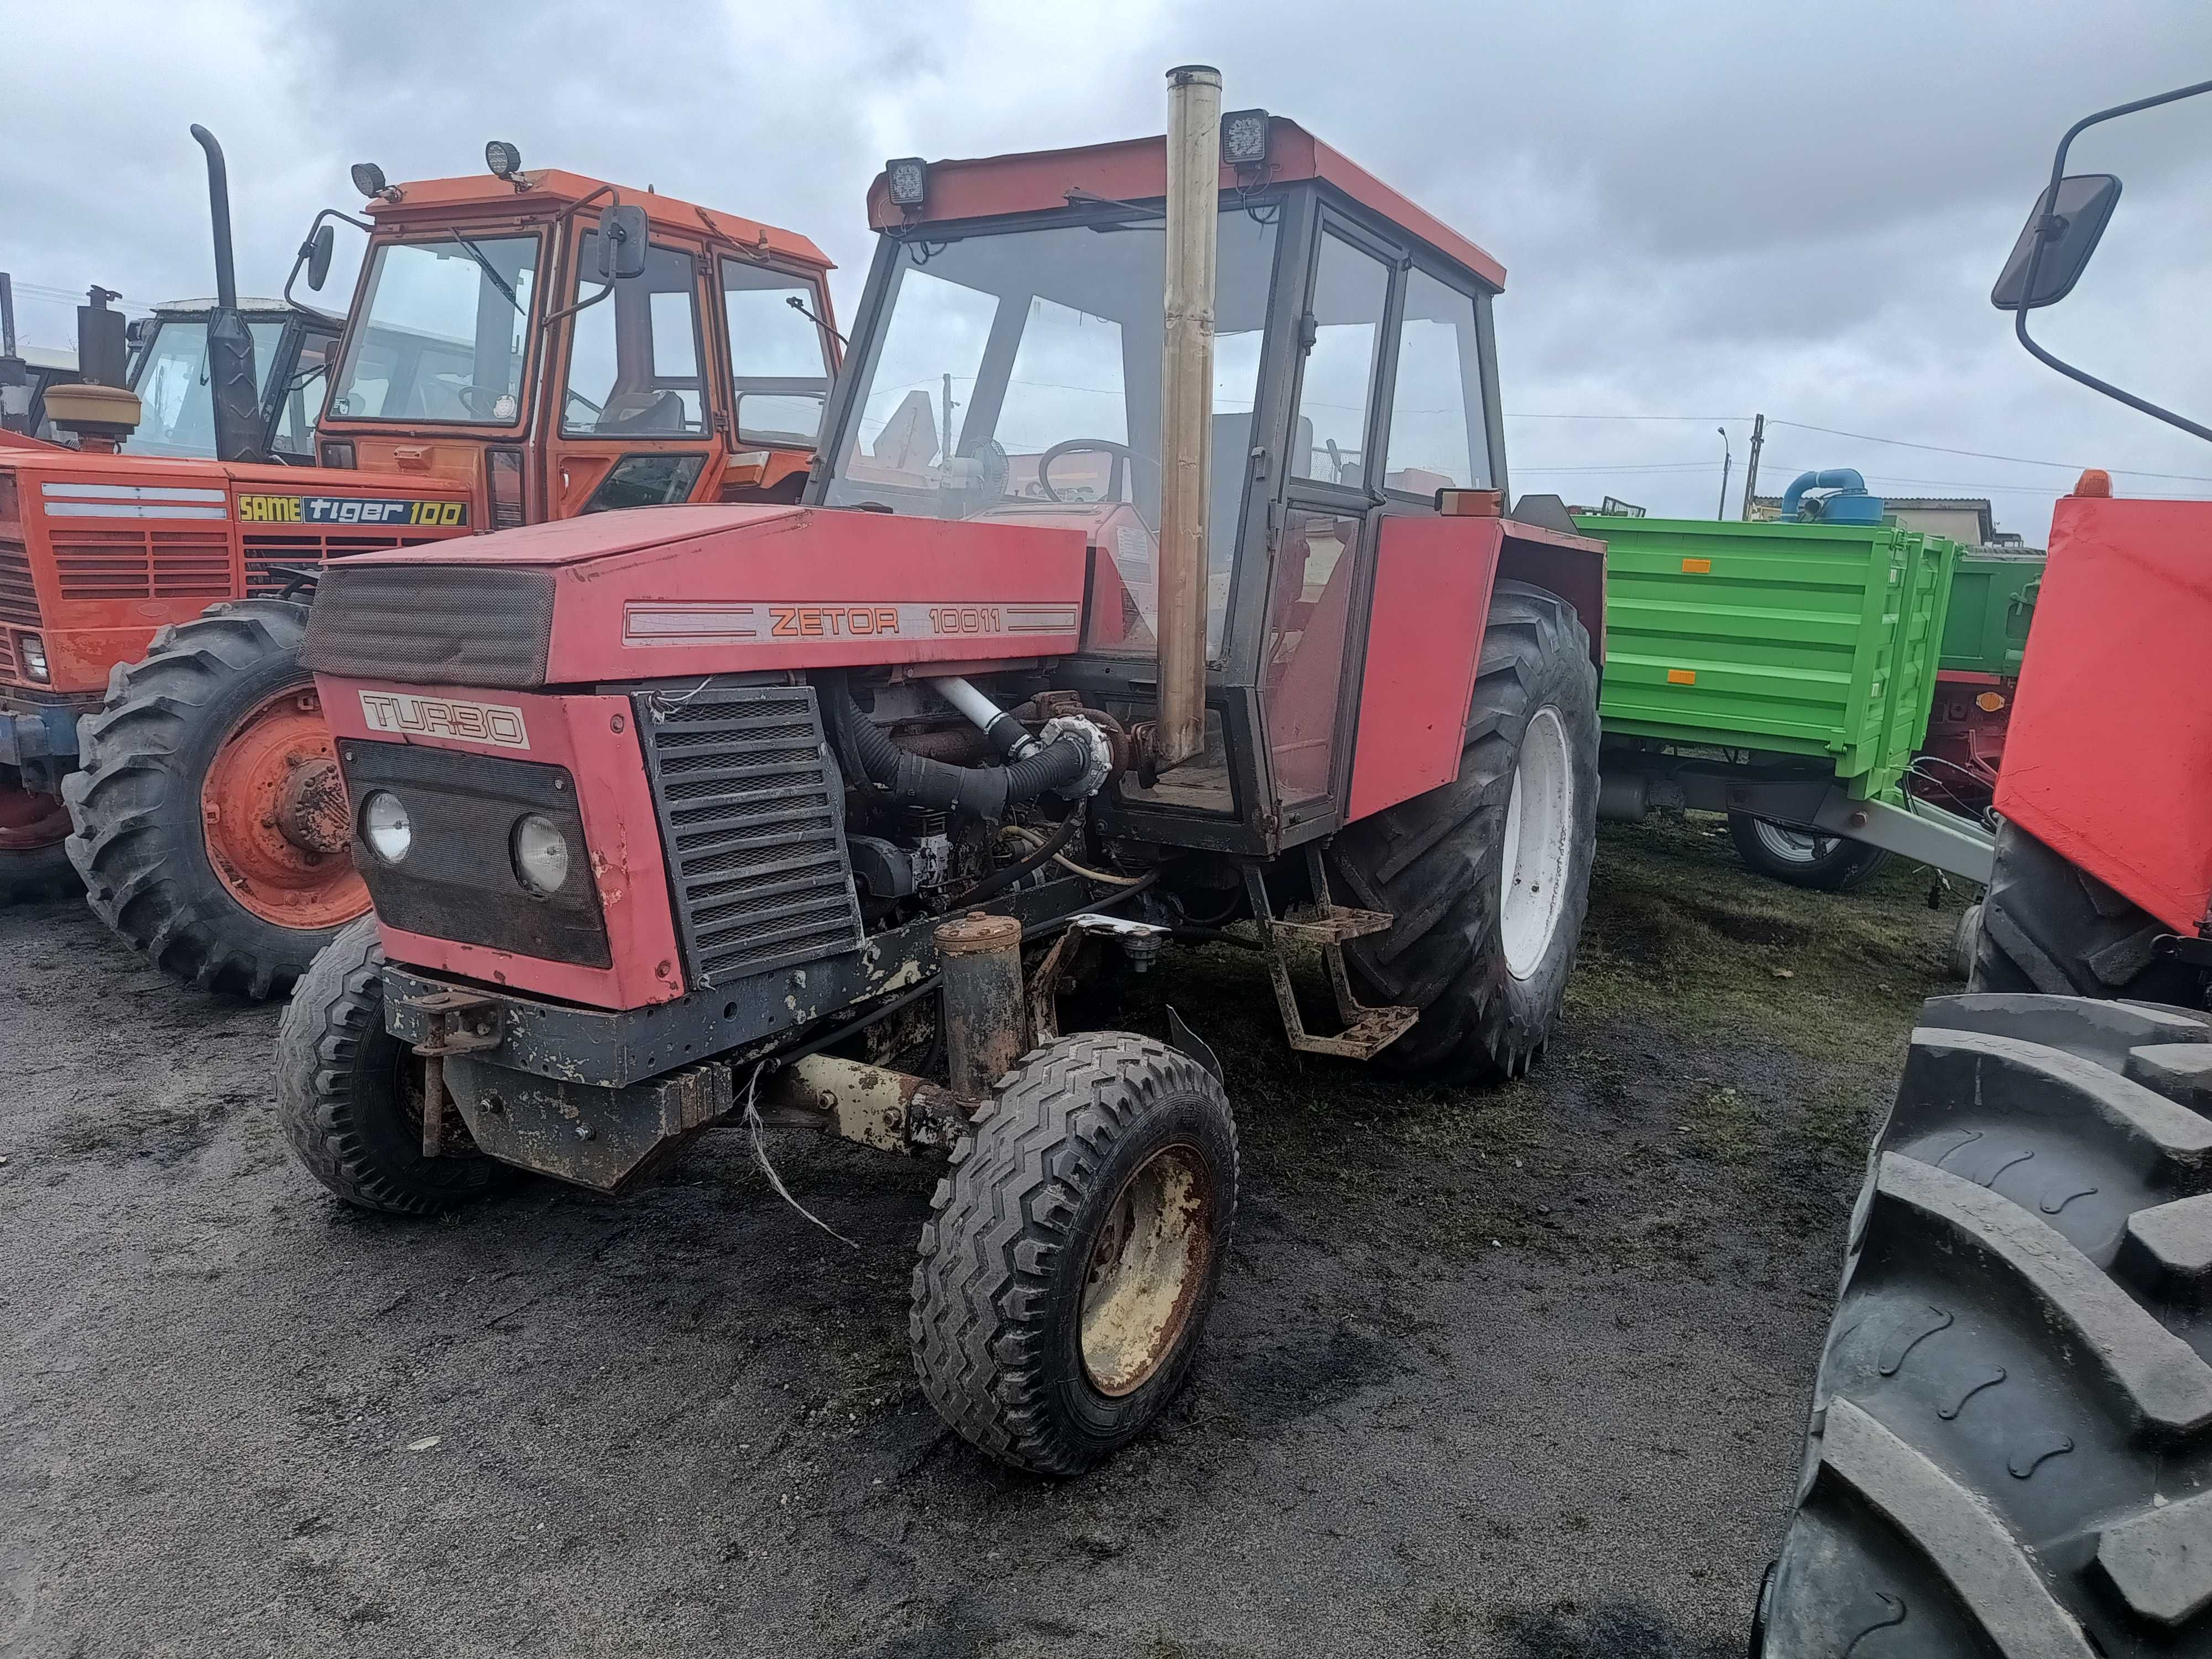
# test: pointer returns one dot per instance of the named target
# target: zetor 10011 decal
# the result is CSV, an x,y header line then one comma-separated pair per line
x,y
648,623
351,509
501,725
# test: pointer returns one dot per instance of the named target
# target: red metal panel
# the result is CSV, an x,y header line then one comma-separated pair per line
x,y
1432,581
2108,759
594,737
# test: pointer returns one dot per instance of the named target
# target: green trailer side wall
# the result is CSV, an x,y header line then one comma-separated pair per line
x,y
1794,639
1992,598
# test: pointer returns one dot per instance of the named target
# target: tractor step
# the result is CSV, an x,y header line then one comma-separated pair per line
x,y
1367,1030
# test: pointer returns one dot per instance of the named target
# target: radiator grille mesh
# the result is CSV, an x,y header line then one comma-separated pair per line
x,y
19,600
752,815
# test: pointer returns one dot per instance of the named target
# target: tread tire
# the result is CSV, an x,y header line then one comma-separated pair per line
x,y
2049,926
995,1326
340,1093
1845,867
2013,1411
139,842
1436,862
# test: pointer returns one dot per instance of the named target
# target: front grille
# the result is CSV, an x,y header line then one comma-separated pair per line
x,y
143,564
266,551
8,668
752,816
433,625
19,600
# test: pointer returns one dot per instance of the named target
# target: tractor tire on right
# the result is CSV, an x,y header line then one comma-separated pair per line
x,y
2012,1420
2049,926
1488,877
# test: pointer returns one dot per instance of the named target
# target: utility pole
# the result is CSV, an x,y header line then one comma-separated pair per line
x,y
1751,465
1727,460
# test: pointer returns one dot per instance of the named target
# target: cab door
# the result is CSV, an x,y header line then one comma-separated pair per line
x,y
633,421
780,357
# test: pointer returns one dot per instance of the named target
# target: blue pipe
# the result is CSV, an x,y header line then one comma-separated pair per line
x,y
1836,477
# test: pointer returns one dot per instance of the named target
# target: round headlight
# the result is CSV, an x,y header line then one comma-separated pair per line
x,y
541,854
384,826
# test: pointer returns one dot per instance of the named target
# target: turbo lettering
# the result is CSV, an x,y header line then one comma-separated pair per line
x,y
491,723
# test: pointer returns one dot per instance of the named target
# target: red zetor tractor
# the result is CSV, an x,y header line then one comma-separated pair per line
x,y
2011,1432
522,346
1119,609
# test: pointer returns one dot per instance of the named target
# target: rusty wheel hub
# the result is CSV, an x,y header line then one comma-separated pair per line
x,y
274,813
1146,1270
29,822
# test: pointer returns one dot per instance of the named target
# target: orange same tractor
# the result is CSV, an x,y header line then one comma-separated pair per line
x,y
522,346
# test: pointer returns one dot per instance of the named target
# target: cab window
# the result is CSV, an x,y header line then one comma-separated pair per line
x,y
1438,439
778,360
443,332
634,356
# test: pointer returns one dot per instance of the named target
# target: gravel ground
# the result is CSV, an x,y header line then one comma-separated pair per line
x,y
1515,1373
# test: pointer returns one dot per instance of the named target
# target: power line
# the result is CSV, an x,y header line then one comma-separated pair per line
x,y
1984,455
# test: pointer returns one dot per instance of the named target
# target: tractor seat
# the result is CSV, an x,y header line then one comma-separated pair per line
x,y
630,413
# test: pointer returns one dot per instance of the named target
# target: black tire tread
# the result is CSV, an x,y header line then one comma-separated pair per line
x,y
2051,926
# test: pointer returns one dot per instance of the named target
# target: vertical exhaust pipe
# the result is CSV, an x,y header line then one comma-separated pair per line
x,y
231,379
1187,407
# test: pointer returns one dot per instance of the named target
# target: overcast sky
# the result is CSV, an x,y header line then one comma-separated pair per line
x,y
1706,210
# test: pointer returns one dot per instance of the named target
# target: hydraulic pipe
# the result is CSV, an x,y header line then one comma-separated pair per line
x,y
232,383
1185,407
1007,734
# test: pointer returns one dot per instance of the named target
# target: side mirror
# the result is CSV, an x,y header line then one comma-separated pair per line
x,y
2069,229
621,243
137,332
319,255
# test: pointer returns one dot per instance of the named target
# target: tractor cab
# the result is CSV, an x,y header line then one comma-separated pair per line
x,y
575,347
170,373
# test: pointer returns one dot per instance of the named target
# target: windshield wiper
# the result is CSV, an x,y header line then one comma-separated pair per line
x,y
484,265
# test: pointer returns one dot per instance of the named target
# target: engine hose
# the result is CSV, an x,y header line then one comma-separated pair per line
x,y
982,791
999,880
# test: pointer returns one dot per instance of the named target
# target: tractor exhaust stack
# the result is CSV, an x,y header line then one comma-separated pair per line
x,y
231,381
1185,407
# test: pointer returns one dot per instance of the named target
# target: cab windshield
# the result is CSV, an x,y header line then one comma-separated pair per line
x,y
1017,374
176,415
443,332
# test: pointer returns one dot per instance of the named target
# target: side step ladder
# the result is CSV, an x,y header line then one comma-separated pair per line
x,y
1367,1031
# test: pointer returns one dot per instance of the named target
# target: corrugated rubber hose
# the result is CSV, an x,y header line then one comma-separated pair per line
x,y
982,791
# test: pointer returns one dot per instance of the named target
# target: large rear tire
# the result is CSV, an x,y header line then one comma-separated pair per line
x,y
1826,864
2049,926
1071,1255
2012,1420
350,1095
211,827
1489,876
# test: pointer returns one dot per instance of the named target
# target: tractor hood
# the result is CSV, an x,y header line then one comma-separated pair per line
x,y
670,592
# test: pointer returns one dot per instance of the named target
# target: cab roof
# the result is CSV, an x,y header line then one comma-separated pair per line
x,y
1136,170
546,192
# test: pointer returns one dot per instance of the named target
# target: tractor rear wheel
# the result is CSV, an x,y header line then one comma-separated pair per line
x,y
211,825
1071,1255
350,1095
2049,926
1489,876
1826,863
2013,1411
34,860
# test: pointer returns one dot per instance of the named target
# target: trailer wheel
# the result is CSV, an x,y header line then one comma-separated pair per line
x,y
2011,1406
211,824
350,1094
2049,926
33,861
1071,1255
1826,863
1489,876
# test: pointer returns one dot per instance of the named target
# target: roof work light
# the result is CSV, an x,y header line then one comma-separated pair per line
x,y
1244,138
368,178
909,177
504,159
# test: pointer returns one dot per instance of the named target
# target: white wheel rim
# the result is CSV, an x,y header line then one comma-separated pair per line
x,y
1791,846
1540,819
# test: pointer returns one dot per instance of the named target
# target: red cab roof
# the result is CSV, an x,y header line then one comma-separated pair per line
x,y
547,191
1136,169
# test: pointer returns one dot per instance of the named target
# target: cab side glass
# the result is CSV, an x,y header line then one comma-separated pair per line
x,y
2083,209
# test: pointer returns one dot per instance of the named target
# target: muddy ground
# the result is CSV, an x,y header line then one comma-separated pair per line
x,y
1514,1373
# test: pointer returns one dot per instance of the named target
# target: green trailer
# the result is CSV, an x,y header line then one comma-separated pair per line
x,y
1783,673
1992,598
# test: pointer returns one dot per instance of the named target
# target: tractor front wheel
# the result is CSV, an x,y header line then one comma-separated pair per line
x,y
1826,864
2049,926
1071,1255
34,860
1489,876
211,824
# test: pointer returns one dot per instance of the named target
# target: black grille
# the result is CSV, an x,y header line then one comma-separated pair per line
x,y
19,600
435,624
752,814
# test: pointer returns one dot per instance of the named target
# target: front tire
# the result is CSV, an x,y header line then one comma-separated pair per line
x,y
211,827
1824,864
2012,1410
2051,926
1071,1255
1489,876
350,1094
